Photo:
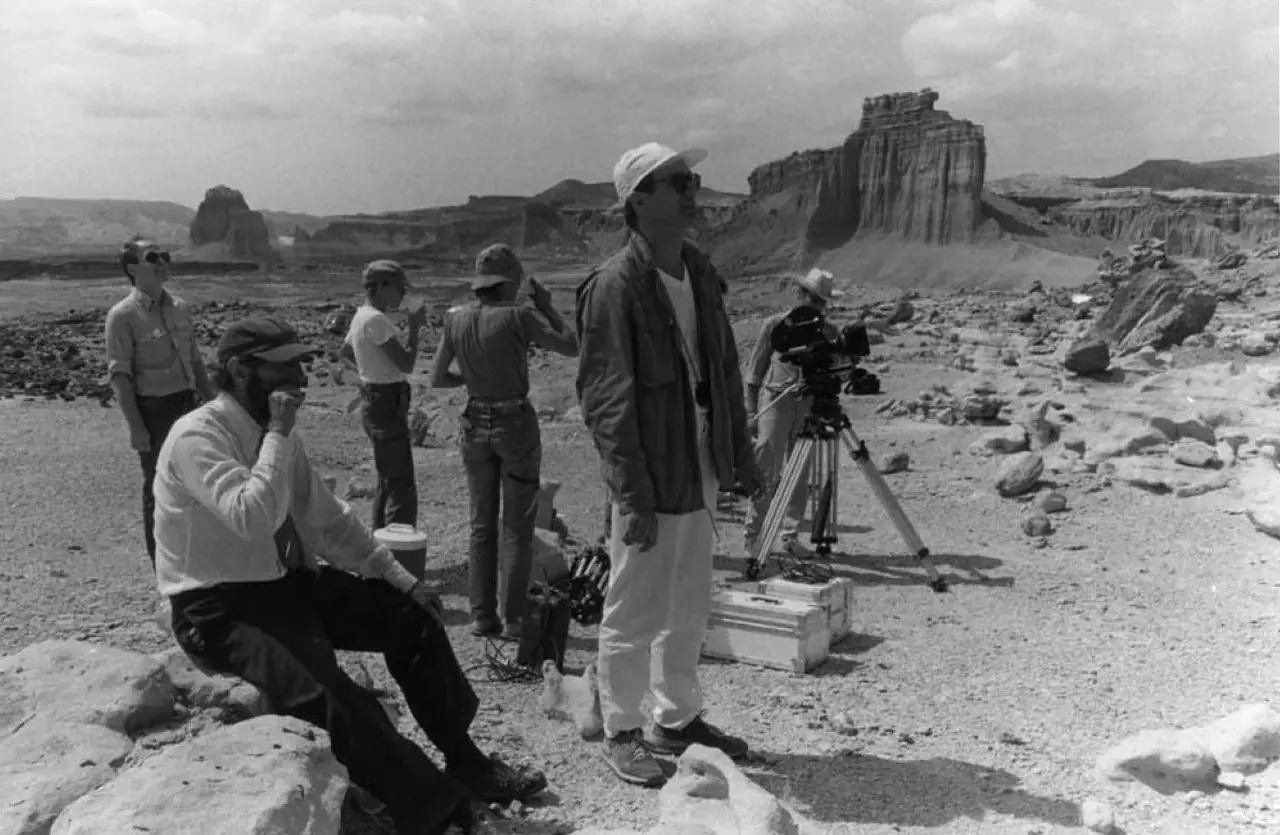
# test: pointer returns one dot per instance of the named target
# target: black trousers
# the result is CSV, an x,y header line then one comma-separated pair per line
x,y
281,635
159,414
385,417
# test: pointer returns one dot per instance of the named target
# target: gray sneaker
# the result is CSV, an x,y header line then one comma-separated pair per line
x,y
631,761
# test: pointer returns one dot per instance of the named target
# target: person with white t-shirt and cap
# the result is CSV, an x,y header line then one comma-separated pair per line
x,y
661,393
384,362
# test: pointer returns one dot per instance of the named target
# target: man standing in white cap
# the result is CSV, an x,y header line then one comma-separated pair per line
x,y
661,393
776,429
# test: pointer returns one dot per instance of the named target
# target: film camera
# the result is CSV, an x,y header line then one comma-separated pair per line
x,y
826,365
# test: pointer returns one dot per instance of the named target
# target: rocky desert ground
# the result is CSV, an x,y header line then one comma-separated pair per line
x,y
1093,468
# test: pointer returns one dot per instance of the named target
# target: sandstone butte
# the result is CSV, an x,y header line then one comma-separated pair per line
x,y
225,226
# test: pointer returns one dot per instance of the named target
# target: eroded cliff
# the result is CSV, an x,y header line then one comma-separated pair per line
x,y
1194,227
908,171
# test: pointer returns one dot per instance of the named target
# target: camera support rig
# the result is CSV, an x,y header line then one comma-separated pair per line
x,y
817,448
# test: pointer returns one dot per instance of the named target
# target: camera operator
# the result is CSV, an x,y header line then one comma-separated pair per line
x,y
775,431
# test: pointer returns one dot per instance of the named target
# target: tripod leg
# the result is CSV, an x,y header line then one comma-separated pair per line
x,y
858,451
778,506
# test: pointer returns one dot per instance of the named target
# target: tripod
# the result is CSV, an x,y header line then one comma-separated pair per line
x,y
818,446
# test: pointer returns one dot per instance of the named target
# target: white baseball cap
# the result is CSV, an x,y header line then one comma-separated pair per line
x,y
820,283
642,161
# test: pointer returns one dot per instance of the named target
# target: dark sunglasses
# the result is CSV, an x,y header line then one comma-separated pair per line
x,y
682,181
153,256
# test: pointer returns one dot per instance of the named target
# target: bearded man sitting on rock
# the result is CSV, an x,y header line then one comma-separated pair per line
x,y
241,515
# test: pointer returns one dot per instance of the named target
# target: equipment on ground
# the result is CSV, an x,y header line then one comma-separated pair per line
x,y
588,581
766,631
827,368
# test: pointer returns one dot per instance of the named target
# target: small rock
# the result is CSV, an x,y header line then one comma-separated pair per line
x,y
1255,344
1166,761
1194,453
1003,441
895,462
1037,524
1053,502
358,489
1019,473
1041,432
1097,816
1088,355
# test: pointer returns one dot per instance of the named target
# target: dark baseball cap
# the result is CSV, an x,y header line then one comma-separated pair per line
x,y
497,264
384,266
264,338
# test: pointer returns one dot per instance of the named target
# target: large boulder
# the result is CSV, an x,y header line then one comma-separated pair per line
x,y
80,683
46,765
1155,308
273,775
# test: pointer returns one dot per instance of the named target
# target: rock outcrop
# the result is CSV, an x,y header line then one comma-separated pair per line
x,y
908,171
1157,308
224,221
1206,226
97,739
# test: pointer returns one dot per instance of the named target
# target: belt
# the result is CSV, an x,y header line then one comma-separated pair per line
x,y
497,404
184,393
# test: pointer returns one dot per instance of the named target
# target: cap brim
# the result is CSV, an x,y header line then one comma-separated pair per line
x,y
286,353
480,282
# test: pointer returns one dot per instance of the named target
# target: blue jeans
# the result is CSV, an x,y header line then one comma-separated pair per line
x,y
385,416
159,414
501,447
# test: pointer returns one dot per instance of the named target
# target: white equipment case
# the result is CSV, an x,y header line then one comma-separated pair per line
x,y
767,631
834,596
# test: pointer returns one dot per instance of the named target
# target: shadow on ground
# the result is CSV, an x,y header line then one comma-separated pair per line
x,y
902,570
862,788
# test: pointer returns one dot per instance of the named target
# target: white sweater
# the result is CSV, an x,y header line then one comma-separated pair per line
x,y
219,501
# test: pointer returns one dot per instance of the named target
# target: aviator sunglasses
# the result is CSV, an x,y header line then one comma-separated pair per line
x,y
153,256
682,181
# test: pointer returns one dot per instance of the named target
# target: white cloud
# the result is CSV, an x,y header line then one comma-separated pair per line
x,y
409,102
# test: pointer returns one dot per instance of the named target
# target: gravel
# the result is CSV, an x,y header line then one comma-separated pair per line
x,y
979,710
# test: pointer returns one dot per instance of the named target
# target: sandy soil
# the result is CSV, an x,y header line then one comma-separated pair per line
x,y
977,711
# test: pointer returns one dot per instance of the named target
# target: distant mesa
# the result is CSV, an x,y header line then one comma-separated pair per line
x,y
225,227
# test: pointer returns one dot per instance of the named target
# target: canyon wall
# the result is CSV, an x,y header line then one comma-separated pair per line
x,y
225,227
908,172
1194,227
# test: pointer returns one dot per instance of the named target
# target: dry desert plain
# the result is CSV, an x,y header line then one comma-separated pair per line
x,y
982,710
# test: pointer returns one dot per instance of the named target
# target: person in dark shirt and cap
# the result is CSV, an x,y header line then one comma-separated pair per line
x,y
499,437
242,517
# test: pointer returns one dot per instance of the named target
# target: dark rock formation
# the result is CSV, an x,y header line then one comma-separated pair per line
x,y
224,217
1159,308
908,171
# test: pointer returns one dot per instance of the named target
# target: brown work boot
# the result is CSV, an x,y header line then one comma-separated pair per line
x,y
631,761
497,782
675,741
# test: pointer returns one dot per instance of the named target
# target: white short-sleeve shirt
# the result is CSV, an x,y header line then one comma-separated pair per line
x,y
370,328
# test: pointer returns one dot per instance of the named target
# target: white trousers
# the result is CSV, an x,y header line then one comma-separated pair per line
x,y
655,615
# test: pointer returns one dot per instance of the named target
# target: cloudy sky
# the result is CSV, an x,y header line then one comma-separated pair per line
x,y
364,105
